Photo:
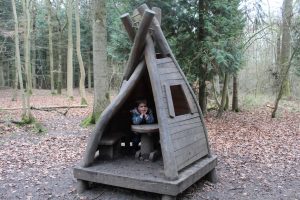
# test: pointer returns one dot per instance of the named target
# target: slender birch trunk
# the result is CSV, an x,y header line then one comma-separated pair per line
x,y
59,76
25,110
2,81
81,66
15,92
89,73
59,70
70,51
48,3
27,37
33,59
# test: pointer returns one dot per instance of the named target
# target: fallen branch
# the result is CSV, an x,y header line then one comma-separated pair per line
x,y
47,108
12,121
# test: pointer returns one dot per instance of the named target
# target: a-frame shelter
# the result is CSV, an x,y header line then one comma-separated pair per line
x,y
183,140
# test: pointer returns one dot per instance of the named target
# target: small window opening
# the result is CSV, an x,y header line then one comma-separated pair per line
x,y
181,106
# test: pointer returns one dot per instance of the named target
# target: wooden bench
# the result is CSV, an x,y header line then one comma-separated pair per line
x,y
110,145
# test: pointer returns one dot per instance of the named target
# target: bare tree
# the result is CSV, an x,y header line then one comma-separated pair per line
x,y
49,7
70,51
2,81
81,66
101,94
25,109
285,51
27,38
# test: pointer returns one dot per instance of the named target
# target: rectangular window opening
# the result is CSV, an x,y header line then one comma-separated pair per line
x,y
181,106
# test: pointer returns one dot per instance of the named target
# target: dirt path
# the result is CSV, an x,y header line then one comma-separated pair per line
x,y
258,157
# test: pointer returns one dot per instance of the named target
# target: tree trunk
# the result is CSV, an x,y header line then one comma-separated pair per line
x,y
48,3
60,39
25,110
82,71
33,59
15,92
27,118
216,81
226,107
59,75
281,89
224,92
202,96
2,81
101,94
89,73
202,67
70,51
286,44
235,105
27,37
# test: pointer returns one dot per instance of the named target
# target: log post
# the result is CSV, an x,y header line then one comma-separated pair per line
x,y
170,166
82,186
127,22
158,34
157,11
139,43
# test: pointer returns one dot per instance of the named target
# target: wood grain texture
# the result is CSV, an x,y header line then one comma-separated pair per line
x,y
169,101
185,130
190,138
163,60
187,155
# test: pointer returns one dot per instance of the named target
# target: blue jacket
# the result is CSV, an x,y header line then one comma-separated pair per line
x,y
136,117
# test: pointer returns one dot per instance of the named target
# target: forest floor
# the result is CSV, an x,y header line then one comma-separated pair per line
x,y
258,157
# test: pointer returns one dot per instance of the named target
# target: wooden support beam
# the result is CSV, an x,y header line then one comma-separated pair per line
x,y
127,22
108,113
170,166
158,34
139,43
157,11
163,45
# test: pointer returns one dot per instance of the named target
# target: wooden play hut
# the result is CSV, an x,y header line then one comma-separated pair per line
x,y
178,151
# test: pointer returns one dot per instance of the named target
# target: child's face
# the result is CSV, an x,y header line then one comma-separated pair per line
x,y
142,108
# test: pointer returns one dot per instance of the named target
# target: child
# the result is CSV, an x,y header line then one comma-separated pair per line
x,y
141,115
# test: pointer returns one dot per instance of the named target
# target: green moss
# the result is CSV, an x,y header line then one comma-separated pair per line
x,y
83,101
39,128
88,121
27,119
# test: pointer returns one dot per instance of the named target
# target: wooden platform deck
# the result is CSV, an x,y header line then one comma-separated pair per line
x,y
145,176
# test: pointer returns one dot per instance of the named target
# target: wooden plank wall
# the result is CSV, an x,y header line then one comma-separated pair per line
x,y
186,131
